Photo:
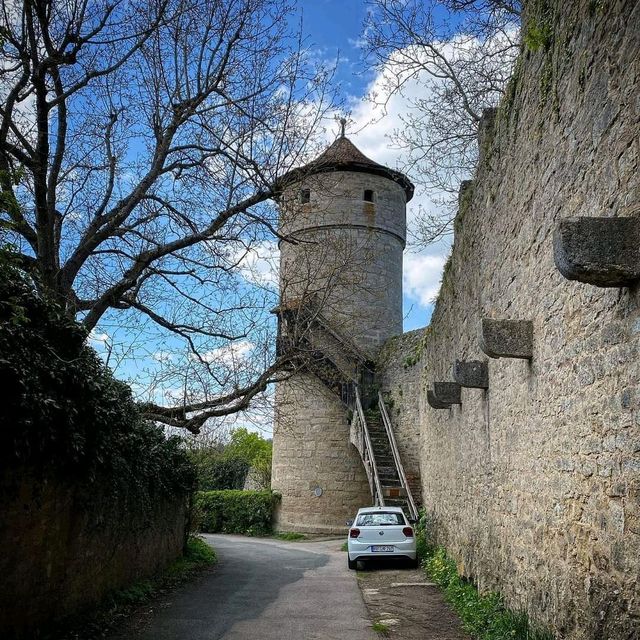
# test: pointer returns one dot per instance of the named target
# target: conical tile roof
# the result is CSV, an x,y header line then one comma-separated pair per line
x,y
343,155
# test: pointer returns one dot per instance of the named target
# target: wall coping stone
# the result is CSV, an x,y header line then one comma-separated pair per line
x,y
472,373
434,403
447,392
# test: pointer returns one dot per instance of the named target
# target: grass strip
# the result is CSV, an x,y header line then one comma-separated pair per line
x,y
484,616
290,536
120,604
381,629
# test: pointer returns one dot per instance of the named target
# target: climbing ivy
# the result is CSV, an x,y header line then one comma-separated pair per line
x,y
63,413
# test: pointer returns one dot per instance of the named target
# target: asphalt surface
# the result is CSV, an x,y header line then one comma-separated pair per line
x,y
263,590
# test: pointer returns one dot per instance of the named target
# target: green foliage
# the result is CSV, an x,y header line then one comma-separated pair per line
x,y
290,536
247,445
483,616
345,546
246,512
538,30
197,554
137,593
381,629
216,471
410,361
254,450
538,36
64,412
225,466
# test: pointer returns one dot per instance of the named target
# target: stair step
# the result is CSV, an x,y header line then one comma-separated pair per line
x,y
392,492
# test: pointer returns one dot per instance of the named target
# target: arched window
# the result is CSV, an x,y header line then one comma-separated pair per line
x,y
305,196
369,195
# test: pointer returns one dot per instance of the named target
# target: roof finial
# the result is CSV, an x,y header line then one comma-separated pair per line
x,y
343,124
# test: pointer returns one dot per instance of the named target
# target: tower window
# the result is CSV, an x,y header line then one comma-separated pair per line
x,y
305,196
368,195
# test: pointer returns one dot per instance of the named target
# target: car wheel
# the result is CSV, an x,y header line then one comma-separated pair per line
x,y
415,563
353,564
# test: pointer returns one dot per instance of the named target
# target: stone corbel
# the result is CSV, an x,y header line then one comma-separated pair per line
x,y
473,374
447,392
434,403
604,252
507,338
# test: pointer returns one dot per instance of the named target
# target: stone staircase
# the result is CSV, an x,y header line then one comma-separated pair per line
x,y
341,367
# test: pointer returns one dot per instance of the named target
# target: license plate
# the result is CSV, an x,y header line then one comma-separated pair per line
x,y
381,548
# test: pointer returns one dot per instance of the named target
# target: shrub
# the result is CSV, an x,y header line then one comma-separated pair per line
x,y
246,512
216,471
64,413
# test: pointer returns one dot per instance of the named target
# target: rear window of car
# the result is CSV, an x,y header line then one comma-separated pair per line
x,y
379,519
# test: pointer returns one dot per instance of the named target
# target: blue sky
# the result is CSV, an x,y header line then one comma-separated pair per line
x,y
333,29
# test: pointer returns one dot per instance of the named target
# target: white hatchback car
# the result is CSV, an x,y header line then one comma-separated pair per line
x,y
381,532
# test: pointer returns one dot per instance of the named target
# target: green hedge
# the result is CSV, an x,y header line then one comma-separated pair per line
x,y
232,511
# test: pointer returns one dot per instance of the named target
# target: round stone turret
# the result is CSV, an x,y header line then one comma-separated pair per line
x,y
346,216
343,217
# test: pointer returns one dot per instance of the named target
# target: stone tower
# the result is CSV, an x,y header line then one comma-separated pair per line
x,y
340,300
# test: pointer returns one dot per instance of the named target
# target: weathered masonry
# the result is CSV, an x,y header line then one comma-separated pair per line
x,y
531,476
341,299
520,403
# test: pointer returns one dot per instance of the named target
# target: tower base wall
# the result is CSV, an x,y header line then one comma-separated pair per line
x,y
312,455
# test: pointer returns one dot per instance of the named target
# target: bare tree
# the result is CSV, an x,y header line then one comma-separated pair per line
x,y
460,54
140,146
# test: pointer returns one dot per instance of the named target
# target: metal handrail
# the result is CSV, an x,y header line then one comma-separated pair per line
x,y
356,437
386,420
377,495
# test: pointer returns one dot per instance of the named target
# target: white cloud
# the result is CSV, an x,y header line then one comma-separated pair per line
x,y
371,130
229,355
259,264
98,340
421,277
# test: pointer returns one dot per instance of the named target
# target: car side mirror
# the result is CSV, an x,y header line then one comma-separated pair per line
x,y
413,520
349,523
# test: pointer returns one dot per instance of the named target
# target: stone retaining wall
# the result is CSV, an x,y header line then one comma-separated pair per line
x,y
534,484
63,551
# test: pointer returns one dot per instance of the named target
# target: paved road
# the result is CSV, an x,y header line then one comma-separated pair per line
x,y
263,590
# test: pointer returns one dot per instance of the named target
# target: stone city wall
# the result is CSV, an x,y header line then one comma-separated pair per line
x,y
400,386
533,485
68,549
315,467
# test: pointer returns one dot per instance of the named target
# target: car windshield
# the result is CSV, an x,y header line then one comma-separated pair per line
x,y
379,519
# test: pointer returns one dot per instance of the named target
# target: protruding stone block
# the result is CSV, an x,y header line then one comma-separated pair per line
x,y
604,252
507,338
486,129
434,403
465,190
473,374
447,392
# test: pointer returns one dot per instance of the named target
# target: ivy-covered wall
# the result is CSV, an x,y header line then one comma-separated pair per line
x,y
92,497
